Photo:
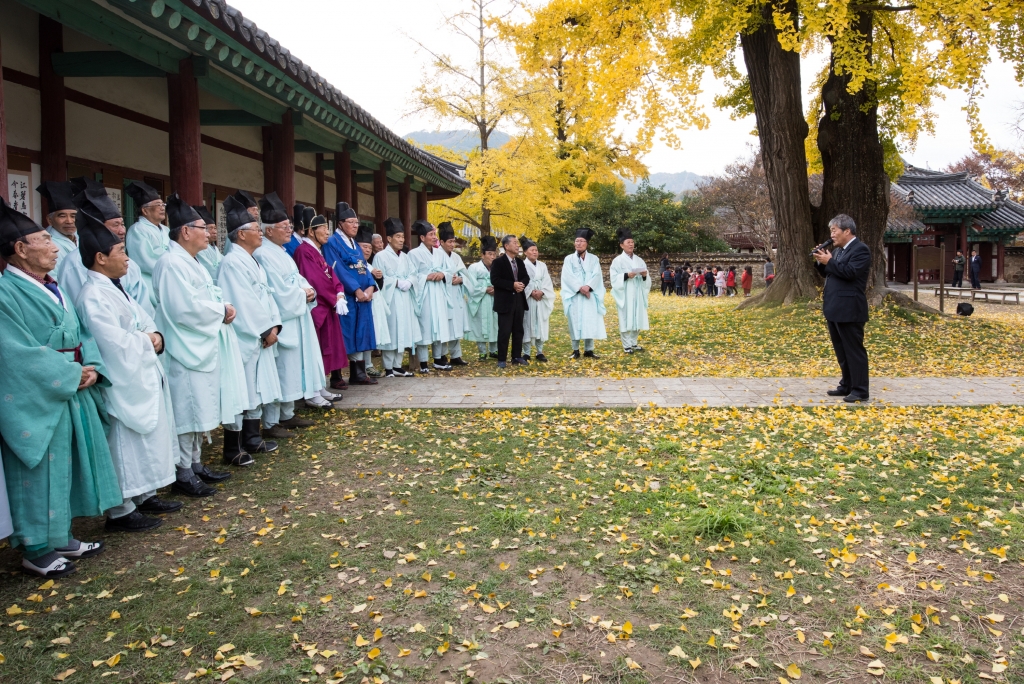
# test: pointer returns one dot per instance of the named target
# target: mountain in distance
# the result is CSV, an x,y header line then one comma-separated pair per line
x,y
678,183
457,140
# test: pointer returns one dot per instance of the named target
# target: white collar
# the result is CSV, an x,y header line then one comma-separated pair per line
x,y
310,243
11,268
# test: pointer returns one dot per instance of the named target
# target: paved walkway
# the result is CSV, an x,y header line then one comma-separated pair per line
x,y
497,392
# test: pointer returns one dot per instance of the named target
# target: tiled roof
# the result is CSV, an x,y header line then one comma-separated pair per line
x,y
903,226
1009,217
934,192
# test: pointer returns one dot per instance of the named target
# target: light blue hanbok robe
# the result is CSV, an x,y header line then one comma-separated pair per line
x,y
146,243
244,283
403,324
483,322
432,297
300,367
630,294
536,320
204,364
64,244
210,258
142,440
458,313
72,276
585,315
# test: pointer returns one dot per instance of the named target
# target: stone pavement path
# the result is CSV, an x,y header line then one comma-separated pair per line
x,y
496,392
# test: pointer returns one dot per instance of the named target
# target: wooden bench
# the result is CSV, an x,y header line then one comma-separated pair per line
x,y
958,292
1002,294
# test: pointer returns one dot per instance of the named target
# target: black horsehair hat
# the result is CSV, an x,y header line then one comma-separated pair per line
x,y
180,213
393,226
94,237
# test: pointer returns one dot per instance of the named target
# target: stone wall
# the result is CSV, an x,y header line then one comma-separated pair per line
x,y
1013,265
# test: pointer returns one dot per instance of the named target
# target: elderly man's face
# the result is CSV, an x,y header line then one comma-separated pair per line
x,y
63,221
116,226
581,245
37,254
155,211
397,241
377,242
367,248
211,233
532,253
279,233
350,227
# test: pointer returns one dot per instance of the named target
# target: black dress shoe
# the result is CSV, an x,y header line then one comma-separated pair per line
x,y
209,476
155,504
278,432
575,354
838,392
457,361
194,487
590,355
520,362
542,358
133,522
526,357
339,384
853,398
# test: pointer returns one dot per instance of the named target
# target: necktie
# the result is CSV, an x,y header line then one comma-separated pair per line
x,y
515,270
52,287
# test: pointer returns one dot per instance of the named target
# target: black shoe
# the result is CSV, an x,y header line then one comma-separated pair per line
x,y
444,360
501,364
195,487
389,373
278,432
541,358
296,422
59,567
84,550
575,354
441,364
526,357
234,454
133,522
457,361
638,348
338,382
357,374
628,350
155,504
252,441
209,476
590,355
838,392
493,355
852,398
423,367
520,362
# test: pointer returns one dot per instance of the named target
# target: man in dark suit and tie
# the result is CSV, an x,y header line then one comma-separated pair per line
x,y
846,305
975,270
509,278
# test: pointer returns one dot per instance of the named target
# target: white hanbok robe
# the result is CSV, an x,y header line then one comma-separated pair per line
x,y
245,285
380,311
300,367
143,443
64,244
146,243
72,276
210,258
630,294
403,322
536,320
204,364
432,301
483,322
458,314
585,316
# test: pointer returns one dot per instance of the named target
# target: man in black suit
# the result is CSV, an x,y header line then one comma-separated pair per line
x,y
509,278
975,270
846,305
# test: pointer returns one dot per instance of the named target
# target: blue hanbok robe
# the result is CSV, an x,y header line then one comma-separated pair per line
x,y
292,245
354,273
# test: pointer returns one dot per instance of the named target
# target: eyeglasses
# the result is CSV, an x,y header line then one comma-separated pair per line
x,y
155,204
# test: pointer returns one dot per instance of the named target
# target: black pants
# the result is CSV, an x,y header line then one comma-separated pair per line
x,y
511,325
848,344
976,280
958,278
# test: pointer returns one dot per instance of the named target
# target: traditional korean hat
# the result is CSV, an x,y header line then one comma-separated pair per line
x,y
142,194
93,237
95,200
308,214
59,195
526,243
272,209
237,214
445,231
78,184
180,213
365,235
342,211
488,244
318,221
245,199
585,233
624,234
204,214
297,215
14,226
422,228
393,226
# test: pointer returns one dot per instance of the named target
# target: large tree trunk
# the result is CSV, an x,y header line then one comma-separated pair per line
x,y
774,76
854,181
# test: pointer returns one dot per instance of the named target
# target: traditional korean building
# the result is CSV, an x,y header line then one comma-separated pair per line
x,y
954,209
191,97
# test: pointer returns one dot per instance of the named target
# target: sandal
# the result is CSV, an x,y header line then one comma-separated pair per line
x,y
84,549
58,567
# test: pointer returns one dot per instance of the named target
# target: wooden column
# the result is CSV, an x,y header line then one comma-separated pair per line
x,y
53,138
421,205
268,160
380,200
3,143
1000,262
319,183
343,176
963,237
355,192
284,159
405,208
184,136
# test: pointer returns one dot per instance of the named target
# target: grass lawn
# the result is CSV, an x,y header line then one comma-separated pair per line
x,y
709,337
657,545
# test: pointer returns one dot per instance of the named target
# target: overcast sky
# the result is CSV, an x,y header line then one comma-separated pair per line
x,y
367,49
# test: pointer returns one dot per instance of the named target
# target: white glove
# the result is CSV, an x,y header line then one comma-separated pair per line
x,y
342,306
403,285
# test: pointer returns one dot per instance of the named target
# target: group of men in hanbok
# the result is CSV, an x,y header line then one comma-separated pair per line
x,y
122,350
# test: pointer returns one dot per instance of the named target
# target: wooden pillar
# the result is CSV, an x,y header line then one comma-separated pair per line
x,y
268,160
355,192
284,159
184,136
1000,262
963,238
343,176
3,143
380,200
319,182
891,254
421,205
405,208
53,138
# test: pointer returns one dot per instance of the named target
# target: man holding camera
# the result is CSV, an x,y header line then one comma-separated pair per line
x,y
846,306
